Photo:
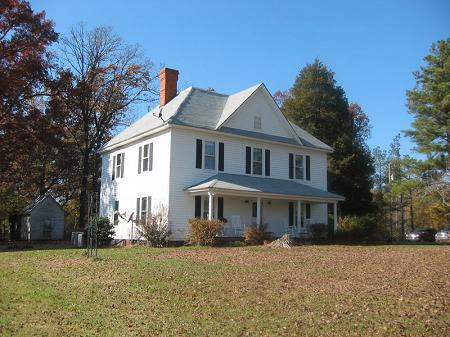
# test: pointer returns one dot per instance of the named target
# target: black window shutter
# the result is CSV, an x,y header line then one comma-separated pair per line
x,y
221,157
267,162
140,159
291,214
248,159
150,159
291,166
138,210
220,208
308,211
198,206
114,168
198,156
308,168
123,165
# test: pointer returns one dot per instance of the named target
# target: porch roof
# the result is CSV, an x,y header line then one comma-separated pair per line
x,y
249,185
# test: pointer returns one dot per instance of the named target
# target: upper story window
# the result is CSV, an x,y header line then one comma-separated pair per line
x,y
210,155
257,161
145,158
298,167
254,159
257,122
206,153
118,165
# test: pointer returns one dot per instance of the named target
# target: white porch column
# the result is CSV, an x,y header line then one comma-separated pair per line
x,y
335,215
210,205
258,211
299,214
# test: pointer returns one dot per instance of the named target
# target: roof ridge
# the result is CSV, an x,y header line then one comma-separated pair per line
x,y
210,92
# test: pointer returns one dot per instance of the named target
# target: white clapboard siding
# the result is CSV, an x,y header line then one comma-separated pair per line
x,y
133,185
184,174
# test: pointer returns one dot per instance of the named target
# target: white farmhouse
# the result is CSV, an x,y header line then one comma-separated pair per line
x,y
205,154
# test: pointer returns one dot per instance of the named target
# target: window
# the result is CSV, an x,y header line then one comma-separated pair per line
x,y
118,165
116,212
307,211
257,161
206,208
143,208
254,210
257,122
298,167
210,155
145,157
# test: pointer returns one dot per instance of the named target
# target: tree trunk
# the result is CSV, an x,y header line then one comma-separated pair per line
x,y
411,210
402,216
390,217
83,190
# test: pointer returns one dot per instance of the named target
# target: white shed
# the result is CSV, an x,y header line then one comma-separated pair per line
x,y
43,219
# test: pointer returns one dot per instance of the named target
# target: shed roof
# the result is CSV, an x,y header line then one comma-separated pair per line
x,y
36,202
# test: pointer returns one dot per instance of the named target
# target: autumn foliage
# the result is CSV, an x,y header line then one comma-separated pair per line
x,y
203,232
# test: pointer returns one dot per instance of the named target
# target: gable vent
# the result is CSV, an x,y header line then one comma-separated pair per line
x,y
257,122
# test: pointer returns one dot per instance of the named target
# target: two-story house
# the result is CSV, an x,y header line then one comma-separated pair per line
x,y
205,154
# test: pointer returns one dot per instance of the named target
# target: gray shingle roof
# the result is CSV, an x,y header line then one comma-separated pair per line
x,y
35,203
244,183
208,110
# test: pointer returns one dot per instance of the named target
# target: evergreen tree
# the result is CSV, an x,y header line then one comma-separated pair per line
x,y
317,104
429,103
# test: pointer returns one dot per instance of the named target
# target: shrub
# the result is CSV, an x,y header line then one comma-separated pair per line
x,y
356,228
105,231
237,244
203,232
318,231
254,235
155,230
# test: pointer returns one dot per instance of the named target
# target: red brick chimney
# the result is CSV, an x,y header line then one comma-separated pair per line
x,y
167,85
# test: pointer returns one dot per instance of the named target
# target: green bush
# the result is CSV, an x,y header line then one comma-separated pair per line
x,y
357,228
203,232
105,231
254,235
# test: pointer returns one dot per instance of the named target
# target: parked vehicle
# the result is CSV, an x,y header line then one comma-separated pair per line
x,y
443,236
421,235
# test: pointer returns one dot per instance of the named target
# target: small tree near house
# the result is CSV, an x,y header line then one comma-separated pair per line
x,y
155,228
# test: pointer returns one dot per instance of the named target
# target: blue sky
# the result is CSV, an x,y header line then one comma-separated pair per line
x,y
372,46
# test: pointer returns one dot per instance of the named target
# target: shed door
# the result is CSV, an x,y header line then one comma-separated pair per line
x,y
47,229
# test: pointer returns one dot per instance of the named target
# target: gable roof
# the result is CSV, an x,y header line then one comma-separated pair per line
x,y
36,202
250,184
209,110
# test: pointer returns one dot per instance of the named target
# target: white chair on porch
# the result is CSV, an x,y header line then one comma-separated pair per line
x,y
236,222
227,228
289,229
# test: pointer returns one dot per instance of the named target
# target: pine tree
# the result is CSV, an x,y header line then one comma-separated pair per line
x,y
429,103
317,104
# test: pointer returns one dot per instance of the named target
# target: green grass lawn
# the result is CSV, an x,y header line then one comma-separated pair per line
x,y
246,291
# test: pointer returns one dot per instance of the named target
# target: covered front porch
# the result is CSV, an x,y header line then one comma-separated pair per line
x,y
280,206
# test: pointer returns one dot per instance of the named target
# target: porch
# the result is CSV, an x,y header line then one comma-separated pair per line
x,y
281,206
